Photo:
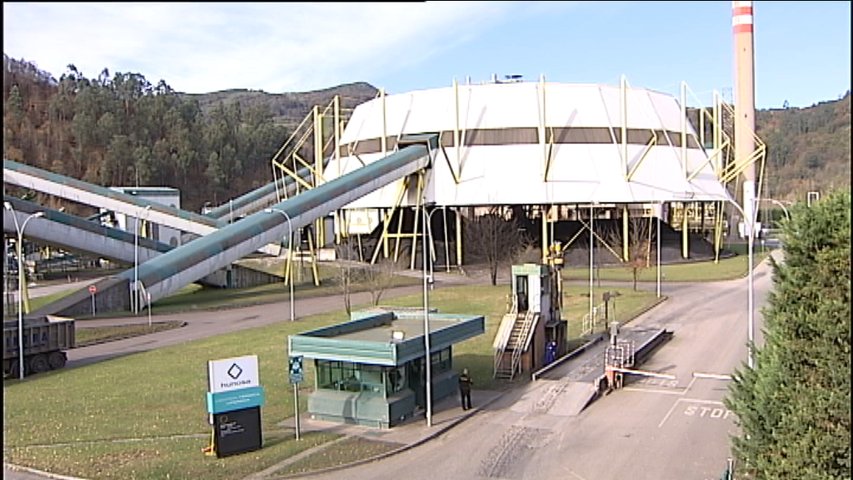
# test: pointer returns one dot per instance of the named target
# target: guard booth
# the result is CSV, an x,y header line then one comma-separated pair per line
x,y
372,371
531,334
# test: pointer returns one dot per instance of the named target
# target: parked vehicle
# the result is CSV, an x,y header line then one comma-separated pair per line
x,y
45,342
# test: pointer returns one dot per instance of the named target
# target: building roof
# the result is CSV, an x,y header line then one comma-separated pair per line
x,y
371,338
537,143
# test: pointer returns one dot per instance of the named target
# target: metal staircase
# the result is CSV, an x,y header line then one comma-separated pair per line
x,y
517,342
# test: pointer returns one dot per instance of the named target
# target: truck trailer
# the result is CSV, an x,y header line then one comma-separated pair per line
x,y
45,342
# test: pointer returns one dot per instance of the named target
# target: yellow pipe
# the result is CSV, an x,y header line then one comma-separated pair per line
x,y
600,240
387,221
625,232
544,235
684,233
320,224
313,257
458,239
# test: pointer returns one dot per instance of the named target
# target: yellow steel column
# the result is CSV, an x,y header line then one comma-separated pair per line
x,y
319,224
544,234
684,249
458,238
314,271
337,154
718,229
386,219
625,232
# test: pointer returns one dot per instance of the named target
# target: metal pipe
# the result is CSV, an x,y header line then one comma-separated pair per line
x,y
21,282
427,355
591,246
750,295
289,249
660,212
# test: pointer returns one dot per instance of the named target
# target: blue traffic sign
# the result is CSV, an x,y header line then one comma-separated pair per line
x,y
296,369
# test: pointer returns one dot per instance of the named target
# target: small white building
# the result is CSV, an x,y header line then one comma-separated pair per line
x,y
163,195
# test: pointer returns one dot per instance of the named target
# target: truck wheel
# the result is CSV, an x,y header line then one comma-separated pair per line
x,y
13,369
39,364
56,360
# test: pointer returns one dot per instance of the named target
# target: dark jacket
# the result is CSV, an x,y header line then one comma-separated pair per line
x,y
465,383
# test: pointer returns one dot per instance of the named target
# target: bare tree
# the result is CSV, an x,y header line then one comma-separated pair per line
x,y
346,272
494,238
640,238
378,278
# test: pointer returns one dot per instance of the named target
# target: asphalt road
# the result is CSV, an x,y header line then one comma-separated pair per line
x,y
651,429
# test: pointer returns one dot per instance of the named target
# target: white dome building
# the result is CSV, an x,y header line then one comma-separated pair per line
x,y
551,147
529,143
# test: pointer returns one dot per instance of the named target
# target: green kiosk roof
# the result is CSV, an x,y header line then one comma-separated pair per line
x,y
381,337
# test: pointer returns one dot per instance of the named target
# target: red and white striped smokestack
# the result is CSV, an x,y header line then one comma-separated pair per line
x,y
742,25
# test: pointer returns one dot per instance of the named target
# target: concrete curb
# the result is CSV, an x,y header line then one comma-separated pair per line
x,y
40,472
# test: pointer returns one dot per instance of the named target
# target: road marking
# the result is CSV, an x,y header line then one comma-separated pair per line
x,y
668,413
714,376
653,390
691,400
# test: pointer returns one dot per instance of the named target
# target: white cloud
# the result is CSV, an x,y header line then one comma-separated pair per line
x,y
277,47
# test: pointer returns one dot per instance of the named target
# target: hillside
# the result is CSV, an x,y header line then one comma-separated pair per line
x,y
807,148
288,109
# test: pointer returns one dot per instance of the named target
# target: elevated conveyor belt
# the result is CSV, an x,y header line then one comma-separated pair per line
x,y
188,263
77,234
257,199
193,261
97,196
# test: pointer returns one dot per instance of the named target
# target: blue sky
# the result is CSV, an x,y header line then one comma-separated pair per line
x,y
802,48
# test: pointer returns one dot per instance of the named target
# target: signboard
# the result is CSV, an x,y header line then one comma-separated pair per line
x,y
237,431
235,399
232,373
92,289
296,369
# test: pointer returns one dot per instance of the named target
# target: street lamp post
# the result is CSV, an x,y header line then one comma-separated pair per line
x,y
134,297
21,280
428,357
289,248
749,225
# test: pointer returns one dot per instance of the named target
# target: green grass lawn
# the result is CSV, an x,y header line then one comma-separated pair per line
x,y
710,271
93,335
154,402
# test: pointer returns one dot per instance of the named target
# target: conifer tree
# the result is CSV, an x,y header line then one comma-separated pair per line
x,y
794,406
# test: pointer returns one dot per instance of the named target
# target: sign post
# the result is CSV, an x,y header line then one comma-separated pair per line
x,y
92,290
234,399
296,379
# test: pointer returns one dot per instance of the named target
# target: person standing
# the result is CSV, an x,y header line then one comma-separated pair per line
x,y
465,383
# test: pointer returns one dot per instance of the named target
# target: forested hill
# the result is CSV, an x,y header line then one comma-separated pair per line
x,y
807,148
115,129
120,129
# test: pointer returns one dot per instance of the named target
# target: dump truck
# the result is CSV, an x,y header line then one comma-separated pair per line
x,y
45,342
